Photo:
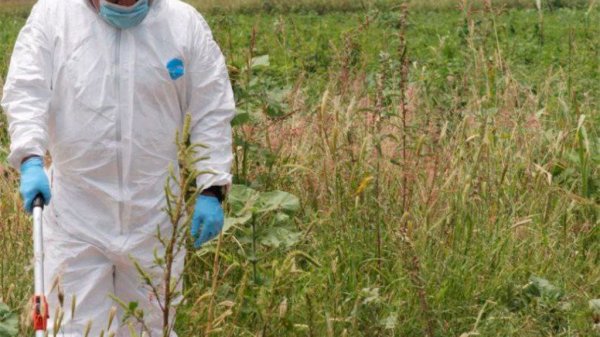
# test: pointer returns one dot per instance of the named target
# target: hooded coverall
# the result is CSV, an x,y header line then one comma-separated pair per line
x,y
102,102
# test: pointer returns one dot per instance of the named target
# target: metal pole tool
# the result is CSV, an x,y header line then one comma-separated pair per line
x,y
40,305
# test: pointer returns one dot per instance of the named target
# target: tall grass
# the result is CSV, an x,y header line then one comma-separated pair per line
x,y
322,5
345,5
430,200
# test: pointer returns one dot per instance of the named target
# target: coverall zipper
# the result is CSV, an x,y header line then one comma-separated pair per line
x,y
118,130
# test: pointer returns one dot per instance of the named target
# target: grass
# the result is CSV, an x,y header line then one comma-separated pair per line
x,y
443,161
345,5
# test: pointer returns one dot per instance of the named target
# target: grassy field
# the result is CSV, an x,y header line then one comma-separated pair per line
x,y
447,165
347,5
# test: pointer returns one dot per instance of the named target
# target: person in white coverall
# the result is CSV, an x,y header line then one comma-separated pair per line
x,y
103,86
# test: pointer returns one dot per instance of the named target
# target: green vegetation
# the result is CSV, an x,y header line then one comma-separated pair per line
x,y
446,163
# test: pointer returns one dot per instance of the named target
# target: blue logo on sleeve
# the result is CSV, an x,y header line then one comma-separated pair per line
x,y
176,68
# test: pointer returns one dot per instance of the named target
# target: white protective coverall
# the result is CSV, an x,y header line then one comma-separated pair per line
x,y
102,102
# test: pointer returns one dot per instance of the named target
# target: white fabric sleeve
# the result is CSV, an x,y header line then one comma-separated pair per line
x,y
27,92
212,107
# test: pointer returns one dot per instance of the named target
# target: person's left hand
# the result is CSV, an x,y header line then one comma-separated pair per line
x,y
208,220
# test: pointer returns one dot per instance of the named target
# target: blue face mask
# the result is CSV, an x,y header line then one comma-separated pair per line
x,y
124,16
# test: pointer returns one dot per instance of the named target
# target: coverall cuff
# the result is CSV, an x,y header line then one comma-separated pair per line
x,y
17,155
219,192
206,181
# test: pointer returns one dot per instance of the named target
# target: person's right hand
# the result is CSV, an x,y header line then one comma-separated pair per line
x,y
34,182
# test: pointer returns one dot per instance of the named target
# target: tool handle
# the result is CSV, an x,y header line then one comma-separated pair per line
x,y
38,201
40,306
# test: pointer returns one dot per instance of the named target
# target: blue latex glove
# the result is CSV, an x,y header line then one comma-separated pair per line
x,y
33,182
208,219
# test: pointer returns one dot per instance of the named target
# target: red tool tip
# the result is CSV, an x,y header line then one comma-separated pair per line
x,y
40,313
